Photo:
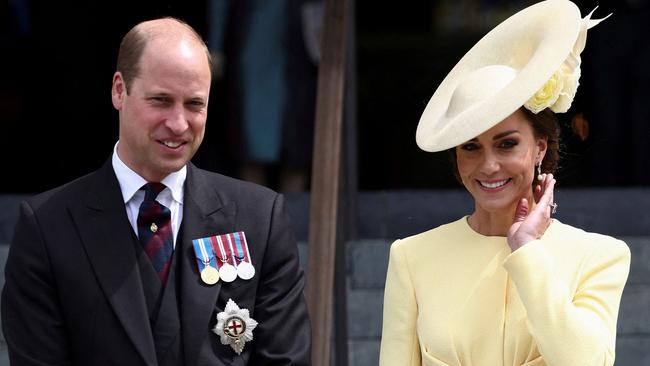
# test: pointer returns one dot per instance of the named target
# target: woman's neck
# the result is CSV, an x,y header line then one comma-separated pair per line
x,y
495,222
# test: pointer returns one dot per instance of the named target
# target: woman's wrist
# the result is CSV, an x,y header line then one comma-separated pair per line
x,y
519,241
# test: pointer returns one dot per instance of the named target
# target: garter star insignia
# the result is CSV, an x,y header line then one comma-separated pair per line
x,y
234,326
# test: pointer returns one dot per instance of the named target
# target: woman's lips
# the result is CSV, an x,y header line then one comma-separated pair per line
x,y
493,185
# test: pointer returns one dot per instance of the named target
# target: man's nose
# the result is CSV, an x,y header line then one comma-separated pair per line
x,y
177,120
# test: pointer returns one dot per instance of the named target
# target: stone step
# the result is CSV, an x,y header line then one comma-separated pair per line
x,y
401,213
388,215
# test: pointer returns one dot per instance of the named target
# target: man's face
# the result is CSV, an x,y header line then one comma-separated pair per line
x,y
162,118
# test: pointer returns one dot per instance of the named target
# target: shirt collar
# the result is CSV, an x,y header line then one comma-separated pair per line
x,y
130,181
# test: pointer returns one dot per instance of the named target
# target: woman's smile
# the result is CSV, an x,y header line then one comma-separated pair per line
x,y
493,185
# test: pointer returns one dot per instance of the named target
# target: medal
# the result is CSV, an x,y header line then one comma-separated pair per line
x,y
225,254
234,326
210,275
205,259
227,271
245,268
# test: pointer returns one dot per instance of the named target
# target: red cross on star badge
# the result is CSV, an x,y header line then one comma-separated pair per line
x,y
234,326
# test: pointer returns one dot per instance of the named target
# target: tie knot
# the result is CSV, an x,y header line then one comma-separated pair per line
x,y
151,190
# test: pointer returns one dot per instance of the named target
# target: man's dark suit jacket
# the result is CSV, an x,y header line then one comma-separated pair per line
x,y
74,293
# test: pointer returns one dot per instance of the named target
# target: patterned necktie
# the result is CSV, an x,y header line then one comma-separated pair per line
x,y
155,230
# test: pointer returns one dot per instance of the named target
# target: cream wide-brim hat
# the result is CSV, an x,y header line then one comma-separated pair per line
x,y
507,67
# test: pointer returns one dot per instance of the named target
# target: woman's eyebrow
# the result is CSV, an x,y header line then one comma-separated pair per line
x,y
504,134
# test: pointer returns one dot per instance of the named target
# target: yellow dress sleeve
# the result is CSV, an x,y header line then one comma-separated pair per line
x,y
399,341
576,328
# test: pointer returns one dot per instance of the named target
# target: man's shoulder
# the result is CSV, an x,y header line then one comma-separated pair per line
x,y
63,194
233,187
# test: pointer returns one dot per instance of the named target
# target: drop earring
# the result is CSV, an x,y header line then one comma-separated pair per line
x,y
539,168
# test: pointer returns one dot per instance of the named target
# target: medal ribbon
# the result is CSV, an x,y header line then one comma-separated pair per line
x,y
231,246
242,247
214,245
201,251
218,246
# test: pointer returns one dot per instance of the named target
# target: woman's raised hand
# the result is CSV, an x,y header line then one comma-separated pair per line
x,y
530,224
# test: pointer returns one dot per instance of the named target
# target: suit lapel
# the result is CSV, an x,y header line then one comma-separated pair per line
x,y
107,236
204,214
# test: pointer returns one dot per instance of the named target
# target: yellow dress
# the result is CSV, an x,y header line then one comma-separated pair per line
x,y
455,297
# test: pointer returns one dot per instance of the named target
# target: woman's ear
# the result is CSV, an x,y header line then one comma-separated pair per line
x,y
542,145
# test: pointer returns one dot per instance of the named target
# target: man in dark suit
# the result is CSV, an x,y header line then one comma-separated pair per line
x,y
107,269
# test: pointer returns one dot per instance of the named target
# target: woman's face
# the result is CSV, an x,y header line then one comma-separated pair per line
x,y
498,166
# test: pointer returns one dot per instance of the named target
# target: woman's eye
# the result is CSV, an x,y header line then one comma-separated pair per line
x,y
507,144
469,147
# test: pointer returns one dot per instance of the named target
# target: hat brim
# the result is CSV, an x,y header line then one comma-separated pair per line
x,y
534,42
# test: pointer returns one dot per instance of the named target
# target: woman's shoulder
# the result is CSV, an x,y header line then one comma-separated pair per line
x,y
589,240
436,236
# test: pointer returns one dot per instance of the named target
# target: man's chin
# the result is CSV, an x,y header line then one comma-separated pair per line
x,y
168,167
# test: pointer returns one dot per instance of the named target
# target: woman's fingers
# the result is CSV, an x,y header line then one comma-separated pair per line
x,y
547,198
538,192
522,210
541,186
545,189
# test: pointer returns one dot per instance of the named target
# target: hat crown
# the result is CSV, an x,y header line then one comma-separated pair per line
x,y
479,86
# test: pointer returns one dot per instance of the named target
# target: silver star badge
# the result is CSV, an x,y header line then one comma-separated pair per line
x,y
234,326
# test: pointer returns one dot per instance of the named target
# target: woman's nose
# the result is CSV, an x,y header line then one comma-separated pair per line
x,y
490,164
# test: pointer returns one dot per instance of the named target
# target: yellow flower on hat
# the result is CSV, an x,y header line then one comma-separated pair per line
x,y
558,92
571,83
547,95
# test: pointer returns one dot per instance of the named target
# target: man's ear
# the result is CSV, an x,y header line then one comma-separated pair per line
x,y
118,90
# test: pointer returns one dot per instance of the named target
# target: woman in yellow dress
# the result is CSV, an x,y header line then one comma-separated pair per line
x,y
507,284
